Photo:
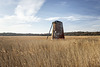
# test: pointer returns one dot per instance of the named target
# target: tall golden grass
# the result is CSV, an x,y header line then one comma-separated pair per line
x,y
32,51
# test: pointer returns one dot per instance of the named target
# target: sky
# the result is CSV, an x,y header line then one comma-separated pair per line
x,y
36,16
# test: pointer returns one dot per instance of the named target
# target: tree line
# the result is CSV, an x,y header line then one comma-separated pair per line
x,y
47,34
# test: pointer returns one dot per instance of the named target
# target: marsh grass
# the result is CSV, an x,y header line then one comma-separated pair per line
x,y
30,51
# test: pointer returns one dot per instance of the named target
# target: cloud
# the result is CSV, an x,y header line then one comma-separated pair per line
x,y
62,3
24,13
19,28
75,18
78,22
96,25
53,18
70,18
28,7
8,2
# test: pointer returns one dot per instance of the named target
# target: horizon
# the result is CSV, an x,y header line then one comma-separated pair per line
x,y
51,32
36,16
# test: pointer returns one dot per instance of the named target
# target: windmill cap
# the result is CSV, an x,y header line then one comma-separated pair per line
x,y
56,22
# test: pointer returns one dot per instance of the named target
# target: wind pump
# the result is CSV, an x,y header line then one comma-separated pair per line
x,y
57,31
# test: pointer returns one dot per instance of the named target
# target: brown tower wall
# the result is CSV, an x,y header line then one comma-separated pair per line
x,y
57,32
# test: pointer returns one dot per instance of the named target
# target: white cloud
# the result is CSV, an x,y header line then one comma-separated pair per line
x,y
24,13
71,18
74,18
53,18
15,19
18,28
78,22
28,7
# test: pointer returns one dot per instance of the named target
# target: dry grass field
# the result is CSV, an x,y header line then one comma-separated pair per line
x,y
35,51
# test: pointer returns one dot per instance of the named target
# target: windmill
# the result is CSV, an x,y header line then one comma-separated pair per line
x,y
57,31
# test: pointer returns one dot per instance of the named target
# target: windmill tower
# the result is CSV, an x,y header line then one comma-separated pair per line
x,y
57,31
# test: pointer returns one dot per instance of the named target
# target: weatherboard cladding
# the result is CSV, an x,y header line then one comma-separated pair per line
x,y
57,32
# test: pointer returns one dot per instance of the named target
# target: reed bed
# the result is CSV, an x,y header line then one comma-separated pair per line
x,y
37,51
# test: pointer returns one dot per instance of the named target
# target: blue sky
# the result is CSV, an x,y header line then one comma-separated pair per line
x,y
36,16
